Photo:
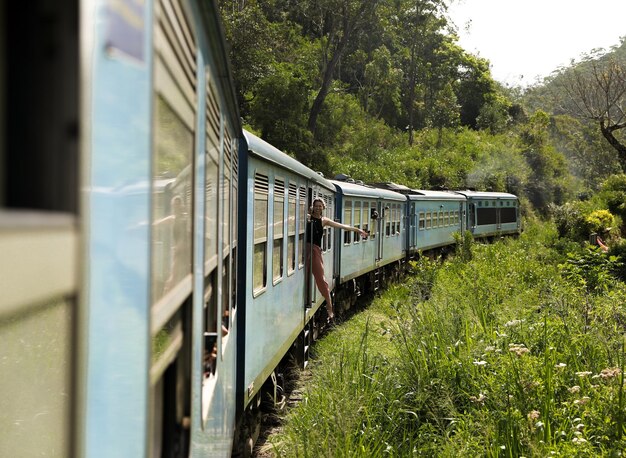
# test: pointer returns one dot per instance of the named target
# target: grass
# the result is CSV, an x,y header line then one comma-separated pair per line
x,y
497,353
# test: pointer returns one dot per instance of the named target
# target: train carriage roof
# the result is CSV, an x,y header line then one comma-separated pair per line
x,y
421,194
261,149
359,190
487,195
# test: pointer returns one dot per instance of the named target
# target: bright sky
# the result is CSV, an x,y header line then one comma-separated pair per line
x,y
526,40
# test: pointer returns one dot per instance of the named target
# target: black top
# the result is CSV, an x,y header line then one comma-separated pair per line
x,y
315,231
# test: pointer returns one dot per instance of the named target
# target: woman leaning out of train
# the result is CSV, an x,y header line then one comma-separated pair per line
x,y
315,231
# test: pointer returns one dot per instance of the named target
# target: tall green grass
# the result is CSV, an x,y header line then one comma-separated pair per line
x,y
495,352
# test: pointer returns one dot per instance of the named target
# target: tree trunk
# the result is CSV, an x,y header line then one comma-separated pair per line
x,y
607,132
412,79
348,29
316,108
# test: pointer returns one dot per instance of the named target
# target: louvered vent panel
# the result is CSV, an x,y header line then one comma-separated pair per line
x,y
261,183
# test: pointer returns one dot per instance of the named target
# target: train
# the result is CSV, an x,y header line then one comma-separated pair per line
x,y
154,269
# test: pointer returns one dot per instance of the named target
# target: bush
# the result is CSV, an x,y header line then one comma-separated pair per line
x,y
599,220
569,221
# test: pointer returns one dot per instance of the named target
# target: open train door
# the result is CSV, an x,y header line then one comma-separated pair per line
x,y
309,290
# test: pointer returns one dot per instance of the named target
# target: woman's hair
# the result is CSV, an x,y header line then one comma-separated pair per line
x,y
317,199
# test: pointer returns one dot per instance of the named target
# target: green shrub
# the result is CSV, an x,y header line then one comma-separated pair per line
x,y
599,220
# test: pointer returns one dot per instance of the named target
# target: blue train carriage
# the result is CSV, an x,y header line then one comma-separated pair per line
x,y
159,257
362,264
433,218
278,304
492,214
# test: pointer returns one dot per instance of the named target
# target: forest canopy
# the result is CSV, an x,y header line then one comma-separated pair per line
x,y
380,90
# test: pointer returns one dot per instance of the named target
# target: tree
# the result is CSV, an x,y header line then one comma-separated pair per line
x,y
418,30
476,87
381,88
445,111
596,91
251,37
279,110
338,22
548,182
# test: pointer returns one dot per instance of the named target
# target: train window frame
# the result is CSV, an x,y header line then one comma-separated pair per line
x,y
373,222
174,98
429,221
278,227
367,218
347,219
292,205
421,221
357,210
263,225
327,233
387,217
330,211
211,182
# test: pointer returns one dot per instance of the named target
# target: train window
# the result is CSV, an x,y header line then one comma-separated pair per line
x,y
212,179
428,220
234,212
347,219
291,229
171,212
386,216
259,268
301,225
329,214
210,326
39,93
486,216
398,219
441,220
367,217
279,220
357,220
393,219
508,215
373,221
174,121
422,221
226,196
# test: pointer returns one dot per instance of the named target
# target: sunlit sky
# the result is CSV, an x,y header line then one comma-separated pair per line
x,y
526,40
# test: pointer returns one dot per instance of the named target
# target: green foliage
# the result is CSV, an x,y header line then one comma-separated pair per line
x,y
280,110
590,158
599,220
570,220
549,180
403,102
613,192
464,243
494,114
592,270
507,357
